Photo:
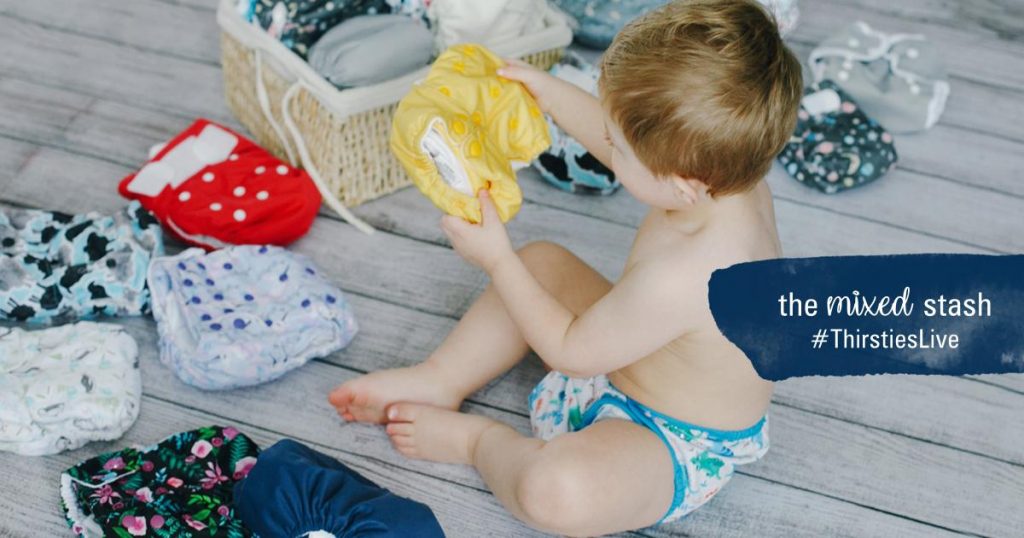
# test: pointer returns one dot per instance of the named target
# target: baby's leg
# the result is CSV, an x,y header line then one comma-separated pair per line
x,y
483,345
610,477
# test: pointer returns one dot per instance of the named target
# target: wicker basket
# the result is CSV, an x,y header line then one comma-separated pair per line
x,y
339,137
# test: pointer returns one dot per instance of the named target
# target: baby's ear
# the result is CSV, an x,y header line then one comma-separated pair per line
x,y
690,189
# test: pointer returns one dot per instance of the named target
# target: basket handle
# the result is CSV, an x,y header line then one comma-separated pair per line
x,y
307,162
300,145
264,100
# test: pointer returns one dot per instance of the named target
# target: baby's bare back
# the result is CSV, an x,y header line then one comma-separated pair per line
x,y
701,377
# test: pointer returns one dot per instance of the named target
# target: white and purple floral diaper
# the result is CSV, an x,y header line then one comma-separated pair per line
x,y
244,315
63,387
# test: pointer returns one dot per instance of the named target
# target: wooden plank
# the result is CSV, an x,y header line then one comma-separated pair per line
x,y
155,27
983,219
14,155
978,159
1013,382
992,19
972,54
102,69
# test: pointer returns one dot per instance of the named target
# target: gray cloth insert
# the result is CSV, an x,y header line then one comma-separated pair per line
x,y
372,48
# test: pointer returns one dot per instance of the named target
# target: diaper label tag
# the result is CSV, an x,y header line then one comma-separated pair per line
x,y
448,166
821,102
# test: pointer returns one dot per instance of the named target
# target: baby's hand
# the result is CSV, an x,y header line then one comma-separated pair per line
x,y
484,245
536,81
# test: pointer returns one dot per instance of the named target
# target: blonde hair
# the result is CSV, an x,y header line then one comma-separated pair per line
x,y
705,89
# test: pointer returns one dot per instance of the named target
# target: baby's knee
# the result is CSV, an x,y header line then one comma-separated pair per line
x,y
540,252
553,495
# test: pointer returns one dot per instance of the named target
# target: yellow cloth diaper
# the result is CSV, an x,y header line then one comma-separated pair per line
x,y
460,129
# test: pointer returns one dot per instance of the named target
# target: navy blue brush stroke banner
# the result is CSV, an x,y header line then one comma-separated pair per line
x,y
949,314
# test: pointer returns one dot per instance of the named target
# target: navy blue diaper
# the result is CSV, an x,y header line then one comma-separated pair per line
x,y
293,491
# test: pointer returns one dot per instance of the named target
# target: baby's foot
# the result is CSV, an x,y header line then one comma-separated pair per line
x,y
365,398
431,433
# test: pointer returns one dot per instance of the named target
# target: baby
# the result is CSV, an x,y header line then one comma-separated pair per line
x,y
647,408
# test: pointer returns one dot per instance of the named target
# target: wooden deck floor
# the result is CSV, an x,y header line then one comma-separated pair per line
x,y
86,86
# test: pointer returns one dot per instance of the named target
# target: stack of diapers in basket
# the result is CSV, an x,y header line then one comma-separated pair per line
x,y
294,491
66,386
461,129
56,268
298,24
211,187
353,43
244,315
179,487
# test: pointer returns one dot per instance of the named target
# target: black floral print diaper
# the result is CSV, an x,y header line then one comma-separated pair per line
x,y
181,488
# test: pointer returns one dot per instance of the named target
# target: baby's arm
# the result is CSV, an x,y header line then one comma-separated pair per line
x,y
574,110
648,308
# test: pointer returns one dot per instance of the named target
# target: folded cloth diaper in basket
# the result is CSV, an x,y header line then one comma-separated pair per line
x,y
298,24
460,129
899,79
567,164
294,491
486,23
836,146
181,487
371,49
244,315
211,188
63,387
56,267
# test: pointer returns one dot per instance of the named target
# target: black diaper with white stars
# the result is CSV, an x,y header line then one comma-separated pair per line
x,y
836,146
57,268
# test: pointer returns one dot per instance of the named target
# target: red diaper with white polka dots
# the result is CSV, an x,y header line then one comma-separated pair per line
x,y
212,187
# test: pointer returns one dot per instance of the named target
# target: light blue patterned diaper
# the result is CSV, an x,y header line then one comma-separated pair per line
x,y
704,459
244,315
567,164
56,267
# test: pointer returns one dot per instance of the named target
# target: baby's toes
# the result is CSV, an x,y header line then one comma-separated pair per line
x,y
341,397
403,412
364,410
401,429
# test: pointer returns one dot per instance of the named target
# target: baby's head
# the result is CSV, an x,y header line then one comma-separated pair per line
x,y
699,95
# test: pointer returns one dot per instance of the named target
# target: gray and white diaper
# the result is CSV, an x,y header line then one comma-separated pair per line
x,y
63,387
372,48
244,315
898,79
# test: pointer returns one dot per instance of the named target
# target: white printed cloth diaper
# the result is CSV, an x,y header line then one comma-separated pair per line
x,y
63,387
244,315
899,79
